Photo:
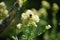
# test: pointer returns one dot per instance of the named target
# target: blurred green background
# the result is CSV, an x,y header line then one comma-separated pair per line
x,y
52,34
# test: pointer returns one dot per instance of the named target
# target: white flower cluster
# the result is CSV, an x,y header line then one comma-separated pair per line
x,y
30,18
3,10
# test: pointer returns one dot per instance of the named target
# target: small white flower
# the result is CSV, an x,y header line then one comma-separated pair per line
x,y
2,6
48,27
36,18
6,13
32,23
24,16
19,25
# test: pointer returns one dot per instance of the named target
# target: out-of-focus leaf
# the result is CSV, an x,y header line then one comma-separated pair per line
x,y
41,27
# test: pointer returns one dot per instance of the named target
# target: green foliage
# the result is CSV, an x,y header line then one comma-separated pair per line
x,y
27,24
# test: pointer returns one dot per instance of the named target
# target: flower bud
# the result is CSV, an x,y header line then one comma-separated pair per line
x,y
45,4
20,2
19,25
42,12
55,7
48,27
